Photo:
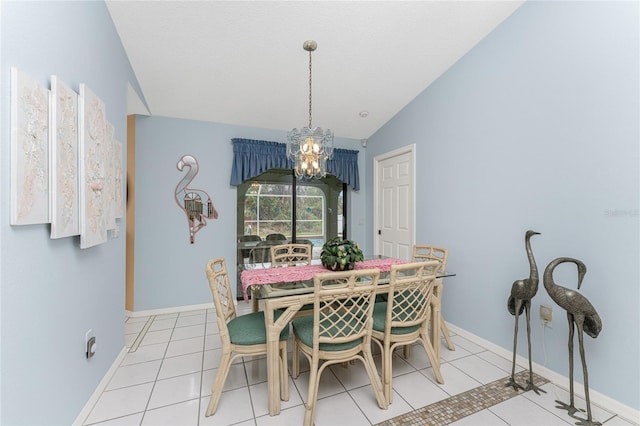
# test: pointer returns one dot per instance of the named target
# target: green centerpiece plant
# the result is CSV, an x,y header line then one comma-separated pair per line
x,y
340,255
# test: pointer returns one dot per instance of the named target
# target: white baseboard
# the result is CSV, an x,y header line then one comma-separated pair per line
x,y
624,411
86,410
171,310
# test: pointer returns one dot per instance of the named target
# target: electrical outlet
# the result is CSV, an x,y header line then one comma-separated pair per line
x,y
89,344
546,315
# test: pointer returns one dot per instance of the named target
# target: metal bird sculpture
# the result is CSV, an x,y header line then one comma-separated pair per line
x,y
582,314
193,201
522,291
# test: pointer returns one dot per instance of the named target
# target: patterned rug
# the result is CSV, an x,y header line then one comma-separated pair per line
x,y
462,405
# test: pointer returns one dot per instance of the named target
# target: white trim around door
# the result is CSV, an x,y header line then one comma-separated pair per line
x,y
394,202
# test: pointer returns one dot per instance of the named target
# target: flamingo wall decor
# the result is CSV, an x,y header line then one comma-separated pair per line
x,y
193,201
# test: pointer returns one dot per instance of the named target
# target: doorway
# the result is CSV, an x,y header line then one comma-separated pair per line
x,y
394,201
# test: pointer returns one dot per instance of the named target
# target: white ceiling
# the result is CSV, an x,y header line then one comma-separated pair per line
x,y
242,62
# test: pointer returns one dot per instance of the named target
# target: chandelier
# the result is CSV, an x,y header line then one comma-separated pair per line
x,y
310,148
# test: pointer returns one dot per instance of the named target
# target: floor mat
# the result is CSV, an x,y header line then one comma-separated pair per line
x,y
462,405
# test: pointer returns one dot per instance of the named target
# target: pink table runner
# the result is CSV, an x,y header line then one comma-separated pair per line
x,y
302,273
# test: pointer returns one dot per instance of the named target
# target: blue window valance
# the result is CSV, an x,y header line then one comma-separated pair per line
x,y
253,157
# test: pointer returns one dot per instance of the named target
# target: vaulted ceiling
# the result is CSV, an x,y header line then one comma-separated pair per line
x,y
242,62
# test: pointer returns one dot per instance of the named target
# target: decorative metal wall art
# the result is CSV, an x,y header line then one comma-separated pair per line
x,y
63,152
582,315
195,203
522,291
29,150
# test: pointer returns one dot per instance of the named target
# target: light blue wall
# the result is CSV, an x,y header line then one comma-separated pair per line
x,y
169,271
51,291
537,128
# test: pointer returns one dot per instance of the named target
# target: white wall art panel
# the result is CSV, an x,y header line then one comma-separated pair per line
x,y
109,183
118,181
29,150
93,169
63,153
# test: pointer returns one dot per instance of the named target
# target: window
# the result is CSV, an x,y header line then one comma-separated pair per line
x,y
268,211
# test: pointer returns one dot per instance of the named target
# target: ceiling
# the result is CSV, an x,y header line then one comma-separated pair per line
x,y
242,62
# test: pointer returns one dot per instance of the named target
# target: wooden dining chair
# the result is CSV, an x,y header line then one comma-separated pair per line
x,y
243,335
276,237
302,241
278,255
290,255
246,238
261,253
338,331
404,317
429,252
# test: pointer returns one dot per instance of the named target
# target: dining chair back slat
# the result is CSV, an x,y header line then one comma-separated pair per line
x,y
422,252
222,295
339,329
409,295
290,255
243,335
403,318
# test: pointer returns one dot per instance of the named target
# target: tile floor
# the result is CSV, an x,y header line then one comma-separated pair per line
x,y
166,377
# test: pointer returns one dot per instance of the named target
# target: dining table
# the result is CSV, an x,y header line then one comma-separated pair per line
x,y
288,289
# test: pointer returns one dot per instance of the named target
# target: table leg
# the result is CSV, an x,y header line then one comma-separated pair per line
x,y
445,333
254,299
435,316
273,364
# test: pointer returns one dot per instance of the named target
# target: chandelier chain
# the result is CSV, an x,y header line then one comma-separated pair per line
x,y
308,148
310,89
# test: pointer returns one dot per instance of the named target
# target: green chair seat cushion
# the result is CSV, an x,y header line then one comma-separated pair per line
x,y
380,319
303,329
249,329
382,297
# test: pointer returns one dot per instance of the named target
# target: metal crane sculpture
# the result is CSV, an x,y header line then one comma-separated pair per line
x,y
522,291
193,201
582,314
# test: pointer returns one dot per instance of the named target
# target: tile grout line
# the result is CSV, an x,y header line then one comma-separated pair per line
x,y
136,343
204,350
164,356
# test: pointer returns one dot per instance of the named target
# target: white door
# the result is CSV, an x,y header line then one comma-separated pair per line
x,y
394,203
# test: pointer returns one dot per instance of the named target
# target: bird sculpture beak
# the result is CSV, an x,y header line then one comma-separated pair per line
x,y
580,278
